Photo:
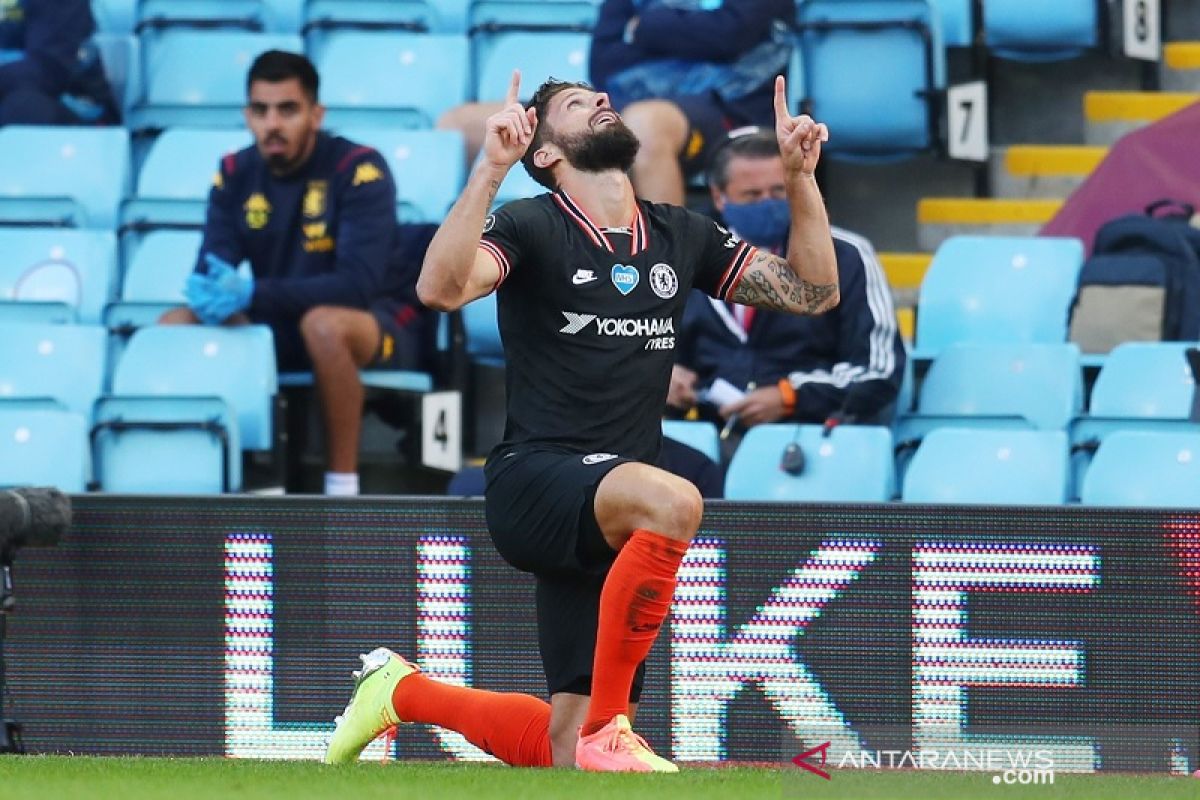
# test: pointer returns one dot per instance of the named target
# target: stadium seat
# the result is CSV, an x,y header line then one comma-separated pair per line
x,y
483,331
702,436
1036,386
391,79
1145,380
177,175
64,364
56,274
493,15
63,176
997,289
275,16
115,16
1145,468
197,78
122,57
154,279
957,21
539,55
235,365
1016,29
1144,386
901,39
428,167
43,447
995,467
431,16
852,464
172,445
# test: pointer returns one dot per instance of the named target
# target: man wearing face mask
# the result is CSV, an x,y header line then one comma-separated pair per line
x,y
846,364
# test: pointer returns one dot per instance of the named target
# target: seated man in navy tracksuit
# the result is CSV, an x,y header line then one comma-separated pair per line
x,y
847,363
331,270
50,72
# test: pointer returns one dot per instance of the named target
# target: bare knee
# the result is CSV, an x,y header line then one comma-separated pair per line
x,y
660,126
179,316
640,497
322,328
681,510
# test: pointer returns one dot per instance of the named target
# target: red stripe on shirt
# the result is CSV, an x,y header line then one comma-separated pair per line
x,y
493,249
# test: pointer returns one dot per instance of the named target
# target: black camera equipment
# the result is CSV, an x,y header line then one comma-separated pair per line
x,y
28,518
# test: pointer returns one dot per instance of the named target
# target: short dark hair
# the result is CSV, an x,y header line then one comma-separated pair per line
x,y
276,66
751,142
541,101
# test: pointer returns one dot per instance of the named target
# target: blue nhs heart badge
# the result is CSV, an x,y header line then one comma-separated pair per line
x,y
625,278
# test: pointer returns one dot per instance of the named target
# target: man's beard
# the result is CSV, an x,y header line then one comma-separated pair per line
x,y
612,146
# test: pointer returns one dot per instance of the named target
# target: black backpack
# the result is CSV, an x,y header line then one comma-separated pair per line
x,y
1142,281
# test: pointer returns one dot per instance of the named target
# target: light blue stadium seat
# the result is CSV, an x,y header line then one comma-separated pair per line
x,y
1027,31
385,79
957,20
236,365
43,447
1145,380
177,175
699,435
428,167
166,445
997,289
61,363
275,16
1145,468
63,176
538,54
154,279
57,275
122,57
1037,386
901,39
115,16
491,15
432,16
197,78
483,331
995,467
852,464
1145,386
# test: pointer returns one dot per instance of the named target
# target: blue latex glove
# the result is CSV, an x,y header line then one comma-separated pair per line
x,y
200,291
230,292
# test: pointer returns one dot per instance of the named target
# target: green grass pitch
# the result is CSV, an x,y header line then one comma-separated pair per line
x,y
40,777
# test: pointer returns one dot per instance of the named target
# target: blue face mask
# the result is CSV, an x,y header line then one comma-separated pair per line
x,y
763,223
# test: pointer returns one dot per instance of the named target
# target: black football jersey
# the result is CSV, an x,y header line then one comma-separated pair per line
x,y
588,317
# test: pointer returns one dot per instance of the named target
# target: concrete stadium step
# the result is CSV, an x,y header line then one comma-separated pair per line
x,y
1042,171
1110,115
939,218
1180,67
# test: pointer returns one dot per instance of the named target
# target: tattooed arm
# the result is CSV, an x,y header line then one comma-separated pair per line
x,y
456,269
807,282
770,282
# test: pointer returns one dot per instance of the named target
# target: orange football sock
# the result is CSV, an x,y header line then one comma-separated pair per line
x,y
633,604
515,728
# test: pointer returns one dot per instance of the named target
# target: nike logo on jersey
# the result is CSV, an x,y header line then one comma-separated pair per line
x,y
583,276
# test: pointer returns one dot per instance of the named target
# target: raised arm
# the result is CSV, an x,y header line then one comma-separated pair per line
x,y
807,281
456,270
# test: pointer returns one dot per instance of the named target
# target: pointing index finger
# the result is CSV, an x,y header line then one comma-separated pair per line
x,y
514,88
781,106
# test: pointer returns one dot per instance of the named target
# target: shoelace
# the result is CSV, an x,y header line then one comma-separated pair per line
x,y
620,740
389,739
